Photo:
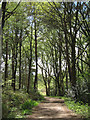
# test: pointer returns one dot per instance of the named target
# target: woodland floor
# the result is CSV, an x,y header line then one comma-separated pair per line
x,y
53,109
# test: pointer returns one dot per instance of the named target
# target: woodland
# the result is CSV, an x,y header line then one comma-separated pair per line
x,y
45,52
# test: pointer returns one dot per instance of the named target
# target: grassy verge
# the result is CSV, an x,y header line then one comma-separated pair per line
x,y
78,107
18,104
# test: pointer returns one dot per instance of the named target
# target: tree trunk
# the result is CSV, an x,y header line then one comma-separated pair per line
x,y
6,63
13,54
66,45
28,85
67,58
73,67
14,59
36,60
78,63
29,75
55,87
25,72
45,79
3,13
66,78
60,70
30,63
49,86
46,91
20,44
89,74
81,63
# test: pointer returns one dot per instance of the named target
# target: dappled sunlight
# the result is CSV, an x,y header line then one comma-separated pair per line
x,y
50,110
44,51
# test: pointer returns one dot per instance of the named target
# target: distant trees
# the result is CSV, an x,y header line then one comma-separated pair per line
x,y
66,17
56,34
36,59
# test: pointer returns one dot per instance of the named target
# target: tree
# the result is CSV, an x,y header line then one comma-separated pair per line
x,y
30,62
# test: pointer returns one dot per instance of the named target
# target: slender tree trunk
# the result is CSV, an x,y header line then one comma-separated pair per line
x,y
67,48
13,54
66,42
60,70
15,66
14,59
78,63
36,60
29,75
28,85
55,82
23,78
79,84
25,72
67,58
20,44
48,86
66,78
55,87
30,63
73,68
62,84
46,90
3,13
46,83
89,75
45,80
48,79
6,63
81,62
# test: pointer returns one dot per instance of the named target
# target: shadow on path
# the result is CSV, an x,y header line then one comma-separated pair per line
x,y
41,119
56,119
53,109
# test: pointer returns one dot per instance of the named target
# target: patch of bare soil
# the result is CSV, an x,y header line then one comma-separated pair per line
x,y
52,109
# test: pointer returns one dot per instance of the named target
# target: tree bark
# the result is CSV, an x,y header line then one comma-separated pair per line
x,y
25,72
6,63
3,13
66,78
14,59
73,63
45,81
30,63
36,60
20,44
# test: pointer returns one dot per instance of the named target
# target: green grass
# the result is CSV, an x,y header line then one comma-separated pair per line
x,y
27,107
18,104
78,107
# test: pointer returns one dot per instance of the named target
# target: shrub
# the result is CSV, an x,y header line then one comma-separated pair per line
x,y
28,104
36,96
78,107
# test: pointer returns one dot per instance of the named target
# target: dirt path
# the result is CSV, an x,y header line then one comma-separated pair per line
x,y
52,109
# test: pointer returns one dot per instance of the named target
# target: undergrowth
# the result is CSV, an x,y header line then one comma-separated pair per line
x,y
18,104
78,107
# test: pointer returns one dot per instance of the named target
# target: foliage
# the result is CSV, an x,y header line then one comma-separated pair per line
x,y
17,104
78,107
50,38
28,105
36,96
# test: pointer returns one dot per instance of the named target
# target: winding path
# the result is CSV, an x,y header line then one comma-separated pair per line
x,y
52,109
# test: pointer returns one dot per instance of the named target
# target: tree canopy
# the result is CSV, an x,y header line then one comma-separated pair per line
x,y
47,43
